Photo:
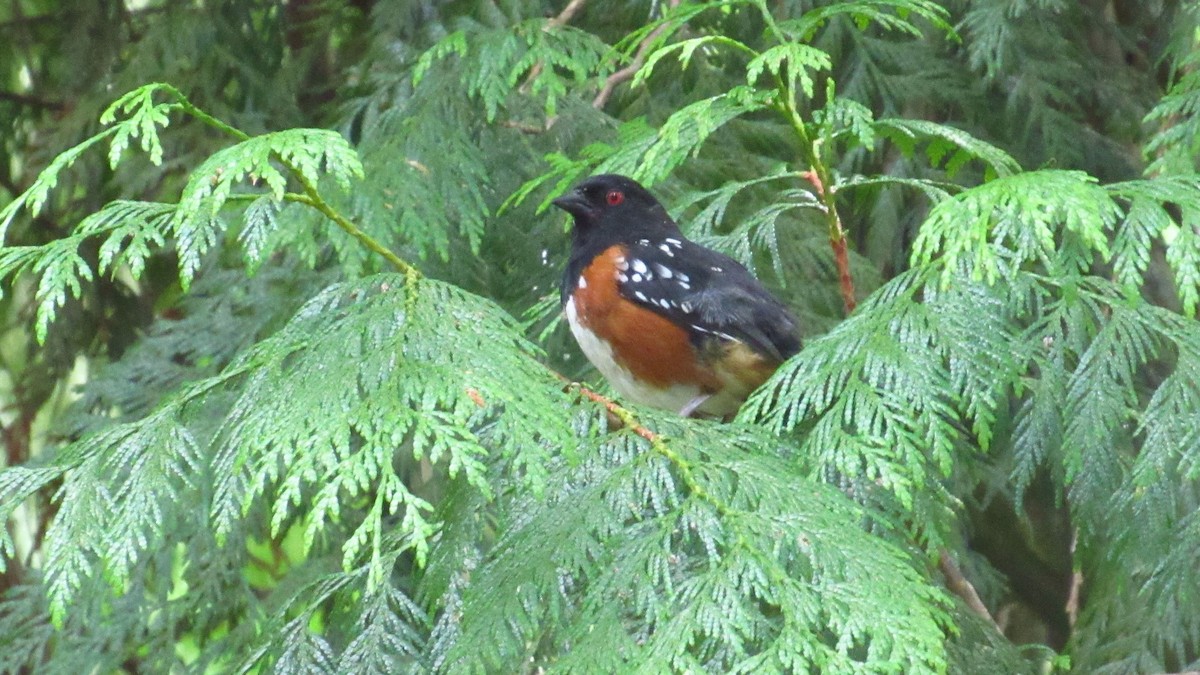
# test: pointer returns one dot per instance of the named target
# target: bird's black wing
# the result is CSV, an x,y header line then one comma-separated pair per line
x,y
709,294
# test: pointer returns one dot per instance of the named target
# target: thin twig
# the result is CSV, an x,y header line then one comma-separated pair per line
x,y
658,445
523,127
311,196
1076,585
837,241
960,586
639,59
568,13
32,101
563,17
621,414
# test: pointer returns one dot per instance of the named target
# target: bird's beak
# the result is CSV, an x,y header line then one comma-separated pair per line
x,y
573,203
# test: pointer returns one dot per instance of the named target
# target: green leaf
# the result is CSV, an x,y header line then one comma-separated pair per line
x,y
893,15
34,198
682,135
543,58
312,153
363,371
791,62
843,116
1150,218
712,554
686,49
142,124
992,230
905,131
133,228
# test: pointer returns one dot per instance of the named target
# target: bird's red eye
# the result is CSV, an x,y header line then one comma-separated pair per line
x,y
615,197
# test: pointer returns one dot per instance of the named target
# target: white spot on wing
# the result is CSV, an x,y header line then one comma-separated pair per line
x,y
621,263
639,266
674,242
640,296
582,282
683,278
685,306
637,278
725,336
663,271
685,285
716,269
622,278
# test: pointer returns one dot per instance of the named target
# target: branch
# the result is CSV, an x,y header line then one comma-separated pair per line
x,y
960,586
657,444
563,17
311,196
32,101
837,241
818,175
1072,607
523,127
623,416
639,59
568,13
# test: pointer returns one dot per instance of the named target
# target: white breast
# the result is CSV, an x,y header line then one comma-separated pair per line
x,y
600,353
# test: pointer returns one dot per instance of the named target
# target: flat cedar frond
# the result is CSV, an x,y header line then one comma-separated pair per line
x,y
136,229
406,152
990,230
875,399
309,153
945,139
1173,147
364,368
893,15
496,61
1164,210
715,556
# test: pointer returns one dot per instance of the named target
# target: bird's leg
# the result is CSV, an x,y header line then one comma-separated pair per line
x,y
693,404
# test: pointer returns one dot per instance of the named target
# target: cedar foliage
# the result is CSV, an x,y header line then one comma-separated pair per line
x,y
281,348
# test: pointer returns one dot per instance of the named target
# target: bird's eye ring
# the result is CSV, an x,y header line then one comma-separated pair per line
x,y
614,197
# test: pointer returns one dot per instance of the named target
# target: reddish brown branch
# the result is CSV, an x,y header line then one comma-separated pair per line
x,y
568,13
639,59
621,415
617,416
841,258
960,586
837,241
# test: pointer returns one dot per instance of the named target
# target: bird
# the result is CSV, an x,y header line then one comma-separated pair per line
x,y
669,323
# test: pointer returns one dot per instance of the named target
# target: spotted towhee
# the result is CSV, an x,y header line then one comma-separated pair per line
x,y
670,323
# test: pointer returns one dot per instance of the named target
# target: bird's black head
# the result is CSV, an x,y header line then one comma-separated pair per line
x,y
616,205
